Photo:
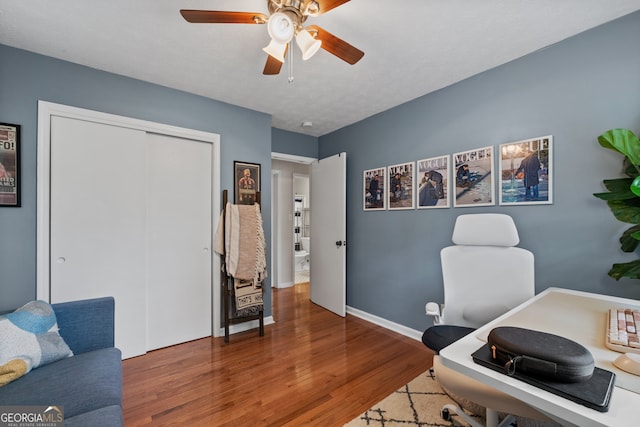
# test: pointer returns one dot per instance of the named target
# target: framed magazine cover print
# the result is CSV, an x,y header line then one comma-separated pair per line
x,y
432,179
401,184
373,192
525,176
473,177
247,182
9,165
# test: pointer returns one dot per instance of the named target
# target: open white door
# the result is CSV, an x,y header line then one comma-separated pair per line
x,y
328,233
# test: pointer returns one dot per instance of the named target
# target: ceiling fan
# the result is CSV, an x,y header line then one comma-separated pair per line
x,y
283,24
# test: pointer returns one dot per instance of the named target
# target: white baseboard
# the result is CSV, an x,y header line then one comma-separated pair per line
x,y
387,324
241,327
285,285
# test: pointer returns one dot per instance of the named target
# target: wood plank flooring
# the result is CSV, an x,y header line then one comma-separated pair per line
x,y
311,368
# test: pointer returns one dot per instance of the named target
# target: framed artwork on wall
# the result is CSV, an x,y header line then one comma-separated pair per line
x,y
9,165
433,182
373,191
400,180
526,168
474,182
247,182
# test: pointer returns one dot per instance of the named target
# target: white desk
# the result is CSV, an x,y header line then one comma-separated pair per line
x,y
579,316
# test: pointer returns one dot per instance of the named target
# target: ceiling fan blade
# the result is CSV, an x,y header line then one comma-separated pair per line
x,y
272,66
336,46
222,17
327,5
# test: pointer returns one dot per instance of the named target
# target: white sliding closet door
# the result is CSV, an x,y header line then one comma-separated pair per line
x,y
179,240
131,217
98,217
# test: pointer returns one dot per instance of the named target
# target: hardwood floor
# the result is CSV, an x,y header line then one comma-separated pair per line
x,y
311,368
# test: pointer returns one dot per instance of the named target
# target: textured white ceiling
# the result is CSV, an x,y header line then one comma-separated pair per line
x,y
412,47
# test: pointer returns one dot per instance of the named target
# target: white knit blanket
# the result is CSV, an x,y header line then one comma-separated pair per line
x,y
243,246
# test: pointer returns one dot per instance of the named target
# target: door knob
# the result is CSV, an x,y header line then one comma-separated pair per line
x,y
341,243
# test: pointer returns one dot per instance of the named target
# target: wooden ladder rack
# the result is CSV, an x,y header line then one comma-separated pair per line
x,y
228,286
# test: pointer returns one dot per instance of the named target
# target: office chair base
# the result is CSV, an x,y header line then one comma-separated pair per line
x,y
491,417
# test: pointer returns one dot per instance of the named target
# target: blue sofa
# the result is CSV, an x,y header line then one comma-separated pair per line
x,y
87,385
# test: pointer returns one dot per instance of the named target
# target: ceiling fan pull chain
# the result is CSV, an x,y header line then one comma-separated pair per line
x,y
290,51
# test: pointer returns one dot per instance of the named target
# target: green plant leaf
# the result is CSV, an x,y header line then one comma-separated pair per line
x,y
618,185
627,269
626,210
635,186
629,169
615,196
623,197
619,189
630,239
623,141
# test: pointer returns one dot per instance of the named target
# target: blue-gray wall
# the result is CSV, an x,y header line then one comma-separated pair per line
x,y
286,142
26,78
574,90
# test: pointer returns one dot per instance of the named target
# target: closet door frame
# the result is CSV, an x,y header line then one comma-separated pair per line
x,y
46,110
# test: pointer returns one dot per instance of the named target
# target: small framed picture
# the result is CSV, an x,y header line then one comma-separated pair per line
x,y
247,182
474,178
433,182
526,168
9,165
401,183
373,191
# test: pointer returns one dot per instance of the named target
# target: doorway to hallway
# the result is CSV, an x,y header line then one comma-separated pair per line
x,y
290,182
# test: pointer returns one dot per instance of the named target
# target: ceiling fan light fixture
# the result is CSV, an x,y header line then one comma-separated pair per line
x,y
307,44
281,28
284,22
312,9
276,50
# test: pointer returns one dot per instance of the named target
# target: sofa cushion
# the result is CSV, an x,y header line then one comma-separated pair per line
x,y
86,325
82,383
110,416
30,339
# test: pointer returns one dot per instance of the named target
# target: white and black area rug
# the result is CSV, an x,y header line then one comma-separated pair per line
x,y
418,403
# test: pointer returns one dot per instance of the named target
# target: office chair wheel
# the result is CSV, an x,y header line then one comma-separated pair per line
x,y
445,414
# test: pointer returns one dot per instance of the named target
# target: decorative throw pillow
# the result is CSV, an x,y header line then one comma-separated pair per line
x,y
29,338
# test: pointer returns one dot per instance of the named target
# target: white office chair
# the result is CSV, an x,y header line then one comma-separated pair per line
x,y
484,276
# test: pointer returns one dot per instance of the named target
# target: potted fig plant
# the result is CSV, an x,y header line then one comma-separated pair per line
x,y
623,196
